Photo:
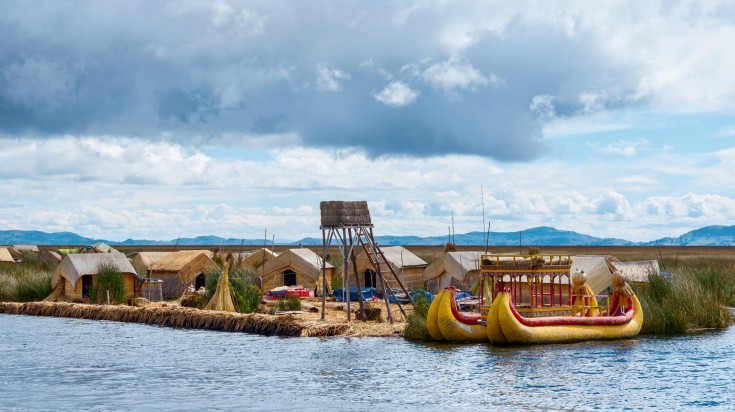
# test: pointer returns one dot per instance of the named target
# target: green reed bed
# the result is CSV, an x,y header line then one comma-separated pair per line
x,y
24,283
691,300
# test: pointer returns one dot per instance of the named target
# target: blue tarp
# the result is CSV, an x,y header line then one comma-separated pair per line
x,y
414,294
367,294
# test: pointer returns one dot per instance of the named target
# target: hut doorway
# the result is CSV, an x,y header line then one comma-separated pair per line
x,y
87,281
370,278
289,278
200,281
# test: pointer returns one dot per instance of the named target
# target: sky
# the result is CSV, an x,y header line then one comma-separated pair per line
x,y
154,120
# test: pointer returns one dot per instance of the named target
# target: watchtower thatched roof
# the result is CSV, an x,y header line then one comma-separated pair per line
x,y
339,213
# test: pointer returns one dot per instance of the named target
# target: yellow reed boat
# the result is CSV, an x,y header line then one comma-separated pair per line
x,y
506,326
534,300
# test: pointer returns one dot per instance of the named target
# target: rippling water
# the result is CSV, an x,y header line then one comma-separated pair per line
x,y
73,364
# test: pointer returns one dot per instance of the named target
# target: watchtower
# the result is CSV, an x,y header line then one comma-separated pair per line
x,y
349,224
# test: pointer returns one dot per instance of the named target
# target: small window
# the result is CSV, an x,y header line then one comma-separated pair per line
x,y
289,278
370,279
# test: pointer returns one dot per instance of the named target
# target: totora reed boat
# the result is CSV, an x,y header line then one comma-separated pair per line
x,y
533,299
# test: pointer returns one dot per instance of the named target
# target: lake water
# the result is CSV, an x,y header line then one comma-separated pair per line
x,y
73,364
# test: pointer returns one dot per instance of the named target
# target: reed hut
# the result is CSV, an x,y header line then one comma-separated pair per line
x,y
295,267
48,259
77,271
145,260
179,270
458,269
409,268
99,247
638,272
5,257
256,259
17,251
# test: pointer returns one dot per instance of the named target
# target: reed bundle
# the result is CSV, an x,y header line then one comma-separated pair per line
x,y
176,317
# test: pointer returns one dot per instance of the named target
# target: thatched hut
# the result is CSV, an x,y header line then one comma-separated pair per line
x,y
99,247
638,272
458,269
409,268
145,260
295,267
179,270
77,272
255,259
5,257
17,251
48,259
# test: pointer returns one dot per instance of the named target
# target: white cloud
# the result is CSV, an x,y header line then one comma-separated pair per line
x,y
625,147
328,78
727,131
454,74
396,94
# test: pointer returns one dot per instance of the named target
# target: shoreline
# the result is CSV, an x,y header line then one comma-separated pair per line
x,y
289,324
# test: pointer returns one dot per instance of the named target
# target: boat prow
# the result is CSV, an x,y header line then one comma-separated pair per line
x,y
506,325
446,323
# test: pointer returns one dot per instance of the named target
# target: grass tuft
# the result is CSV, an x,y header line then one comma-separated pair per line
x,y
416,328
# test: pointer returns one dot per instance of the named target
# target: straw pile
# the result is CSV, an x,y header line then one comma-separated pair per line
x,y
222,297
340,213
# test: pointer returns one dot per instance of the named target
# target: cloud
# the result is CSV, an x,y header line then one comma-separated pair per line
x,y
328,78
454,74
396,94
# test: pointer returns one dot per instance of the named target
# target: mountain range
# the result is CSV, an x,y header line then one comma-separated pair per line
x,y
538,236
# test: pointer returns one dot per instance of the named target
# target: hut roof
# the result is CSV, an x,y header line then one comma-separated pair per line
x,y
638,271
48,256
98,247
5,255
456,264
598,269
188,263
400,257
26,248
257,257
302,260
146,259
74,266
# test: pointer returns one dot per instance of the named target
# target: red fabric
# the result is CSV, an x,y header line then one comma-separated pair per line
x,y
466,318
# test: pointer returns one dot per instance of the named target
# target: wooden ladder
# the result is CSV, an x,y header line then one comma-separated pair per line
x,y
383,269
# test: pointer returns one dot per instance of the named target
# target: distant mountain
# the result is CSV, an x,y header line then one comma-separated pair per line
x,y
538,236
706,236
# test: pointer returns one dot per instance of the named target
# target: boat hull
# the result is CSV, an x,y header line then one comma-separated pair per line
x,y
447,324
505,325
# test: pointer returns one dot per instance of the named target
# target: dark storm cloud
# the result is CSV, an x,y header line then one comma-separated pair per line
x,y
341,74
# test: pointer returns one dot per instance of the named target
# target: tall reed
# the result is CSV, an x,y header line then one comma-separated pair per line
x,y
23,282
691,300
